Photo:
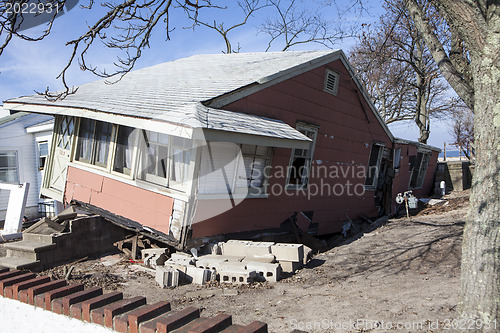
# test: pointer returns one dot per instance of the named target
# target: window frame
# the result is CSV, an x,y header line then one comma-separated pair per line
x,y
267,157
420,178
39,154
18,175
305,178
373,185
94,146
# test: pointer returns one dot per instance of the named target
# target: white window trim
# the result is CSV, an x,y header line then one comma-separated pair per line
x,y
18,158
315,129
424,152
373,187
335,89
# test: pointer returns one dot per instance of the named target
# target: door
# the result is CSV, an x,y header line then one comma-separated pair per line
x,y
55,173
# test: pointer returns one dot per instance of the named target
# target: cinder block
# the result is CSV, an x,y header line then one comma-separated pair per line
x,y
233,265
199,275
167,277
234,247
154,257
267,258
288,252
290,266
236,276
182,258
210,261
258,248
307,254
266,271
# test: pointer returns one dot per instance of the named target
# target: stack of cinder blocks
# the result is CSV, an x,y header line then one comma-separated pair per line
x,y
235,261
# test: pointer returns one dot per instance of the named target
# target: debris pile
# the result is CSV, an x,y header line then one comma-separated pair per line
x,y
235,262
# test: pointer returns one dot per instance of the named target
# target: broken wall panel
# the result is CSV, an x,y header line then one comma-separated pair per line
x,y
148,208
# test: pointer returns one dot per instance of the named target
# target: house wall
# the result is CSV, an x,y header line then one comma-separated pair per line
x,y
13,136
347,130
148,208
402,177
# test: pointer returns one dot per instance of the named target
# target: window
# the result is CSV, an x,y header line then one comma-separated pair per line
x,y
251,168
231,168
8,167
94,138
300,162
163,155
331,84
396,159
43,152
374,165
125,142
418,167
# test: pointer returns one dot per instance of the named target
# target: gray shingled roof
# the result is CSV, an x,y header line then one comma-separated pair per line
x,y
175,91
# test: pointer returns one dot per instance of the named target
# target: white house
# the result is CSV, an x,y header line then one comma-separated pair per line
x,y
24,145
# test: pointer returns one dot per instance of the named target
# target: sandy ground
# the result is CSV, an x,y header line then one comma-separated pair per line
x,y
401,277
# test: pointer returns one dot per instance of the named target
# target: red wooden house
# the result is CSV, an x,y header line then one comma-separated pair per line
x,y
229,143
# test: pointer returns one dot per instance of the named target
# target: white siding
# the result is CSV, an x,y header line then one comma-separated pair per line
x,y
13,136
218,168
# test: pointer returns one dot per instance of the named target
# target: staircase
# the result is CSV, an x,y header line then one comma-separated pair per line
x,y
47,245
34,252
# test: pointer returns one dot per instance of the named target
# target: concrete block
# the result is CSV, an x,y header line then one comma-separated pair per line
x,y
154,257
229,265
290,266
199,275
236,276
210,261
288,252
234,248
181,259
267,272
258,248
307,254
266,258
167,277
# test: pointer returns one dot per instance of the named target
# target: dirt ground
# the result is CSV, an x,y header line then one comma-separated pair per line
x,y
403,276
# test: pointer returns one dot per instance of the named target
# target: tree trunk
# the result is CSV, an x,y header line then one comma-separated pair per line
x,y
480,274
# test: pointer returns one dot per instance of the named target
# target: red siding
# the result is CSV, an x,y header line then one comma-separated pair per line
x,y
145,207
346,132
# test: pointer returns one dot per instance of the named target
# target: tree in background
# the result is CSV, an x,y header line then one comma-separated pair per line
x,y
463,131
400,75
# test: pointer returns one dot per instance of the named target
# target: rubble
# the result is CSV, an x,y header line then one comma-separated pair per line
x,y
234,262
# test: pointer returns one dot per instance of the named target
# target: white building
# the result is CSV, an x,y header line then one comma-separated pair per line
x,y
24,145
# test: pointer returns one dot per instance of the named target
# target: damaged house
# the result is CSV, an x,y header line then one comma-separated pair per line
x,y
229,144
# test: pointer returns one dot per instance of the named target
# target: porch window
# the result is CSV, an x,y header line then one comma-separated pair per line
x,y
300,162
125,142
164,159
419,169
9,167
373,169
251,169
94,138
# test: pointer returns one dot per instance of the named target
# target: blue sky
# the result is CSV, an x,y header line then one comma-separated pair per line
x,y
29,66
